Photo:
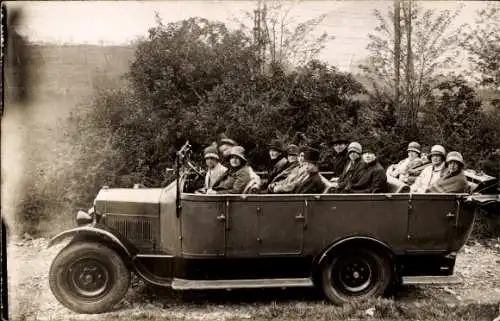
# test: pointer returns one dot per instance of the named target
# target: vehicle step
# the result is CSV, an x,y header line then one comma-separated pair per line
x,y
451,279
183,284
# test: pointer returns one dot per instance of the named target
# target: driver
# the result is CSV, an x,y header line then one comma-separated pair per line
x,y
215,170
237,177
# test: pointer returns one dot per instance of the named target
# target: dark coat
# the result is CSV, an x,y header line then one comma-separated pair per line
x,y
233,181
366,178
285,172
313,185
339,163
347,177
277,167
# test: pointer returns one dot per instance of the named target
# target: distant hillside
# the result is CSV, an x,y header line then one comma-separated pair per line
x,y
67,74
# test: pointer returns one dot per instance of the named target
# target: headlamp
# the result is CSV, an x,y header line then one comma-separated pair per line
x,y
83,218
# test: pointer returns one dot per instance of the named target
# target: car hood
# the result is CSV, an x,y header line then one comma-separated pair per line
x,y
128,201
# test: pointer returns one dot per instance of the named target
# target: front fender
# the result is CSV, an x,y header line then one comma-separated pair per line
x,y
100,231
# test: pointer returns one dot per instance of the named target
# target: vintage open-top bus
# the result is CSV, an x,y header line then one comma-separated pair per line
x,y
350,246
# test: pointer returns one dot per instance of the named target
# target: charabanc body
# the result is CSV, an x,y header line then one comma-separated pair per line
x,y
351,246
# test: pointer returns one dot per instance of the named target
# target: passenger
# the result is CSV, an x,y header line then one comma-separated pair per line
x,y
225,145
405,170
303,179
454,180
292,157
278,160
340,159
425,157
431,173
368,178
354,151
237,177
215,169
292,154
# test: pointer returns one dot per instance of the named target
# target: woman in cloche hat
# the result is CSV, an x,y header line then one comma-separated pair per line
x,y
454,180
236,177
431,173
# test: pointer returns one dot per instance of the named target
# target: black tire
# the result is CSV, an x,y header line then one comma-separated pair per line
x,y
355,274
89,277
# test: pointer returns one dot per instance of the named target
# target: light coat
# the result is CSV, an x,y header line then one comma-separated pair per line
x,y
214,174
450,183
304,178
403,170
428,177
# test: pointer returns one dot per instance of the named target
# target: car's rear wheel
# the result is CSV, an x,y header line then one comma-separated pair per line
x,y
89,277
355,274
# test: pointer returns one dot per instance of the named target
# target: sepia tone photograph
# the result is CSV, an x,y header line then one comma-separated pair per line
x,y
250,160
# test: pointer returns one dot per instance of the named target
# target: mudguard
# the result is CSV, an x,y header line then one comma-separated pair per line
x,y
351,239
319,259
101,232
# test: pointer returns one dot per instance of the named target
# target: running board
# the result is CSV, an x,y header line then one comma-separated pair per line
x,y
183,284
452,279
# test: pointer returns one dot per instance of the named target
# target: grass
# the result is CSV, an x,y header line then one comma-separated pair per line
x,y
383,309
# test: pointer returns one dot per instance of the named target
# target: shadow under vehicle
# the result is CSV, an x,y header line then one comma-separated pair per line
x,y
350,246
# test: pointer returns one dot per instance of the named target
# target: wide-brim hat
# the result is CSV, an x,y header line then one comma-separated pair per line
x,y
414,147
438,150
355,147
310,153
211,152
455,156
276,145
238,151
227,141
292,150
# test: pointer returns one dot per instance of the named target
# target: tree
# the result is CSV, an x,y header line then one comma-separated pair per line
x,y
483,45
434,49
284,40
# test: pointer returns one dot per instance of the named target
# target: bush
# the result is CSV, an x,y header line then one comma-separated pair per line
x,y
194,79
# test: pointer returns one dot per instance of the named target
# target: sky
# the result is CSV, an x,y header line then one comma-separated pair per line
x,y
120,22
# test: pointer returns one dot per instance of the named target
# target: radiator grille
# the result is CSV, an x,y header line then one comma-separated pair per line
x,y
138,229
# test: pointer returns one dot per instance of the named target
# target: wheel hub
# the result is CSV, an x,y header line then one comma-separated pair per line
x,y
354,275
89,278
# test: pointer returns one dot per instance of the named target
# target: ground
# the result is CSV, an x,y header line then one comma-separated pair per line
x,y
476,298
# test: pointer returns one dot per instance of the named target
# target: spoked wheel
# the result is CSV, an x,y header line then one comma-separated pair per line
x,y
89,278
355,275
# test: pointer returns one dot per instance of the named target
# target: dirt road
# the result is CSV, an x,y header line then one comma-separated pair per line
x,y
478,265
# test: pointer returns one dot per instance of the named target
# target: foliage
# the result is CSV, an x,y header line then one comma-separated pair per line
x,y
287,41
434,48
193,79
483,44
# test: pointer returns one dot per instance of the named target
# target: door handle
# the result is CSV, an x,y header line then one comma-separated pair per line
x,y
450,215
221,218
300,218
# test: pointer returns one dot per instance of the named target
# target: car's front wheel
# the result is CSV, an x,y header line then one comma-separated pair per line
x,y
89,277
355,274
